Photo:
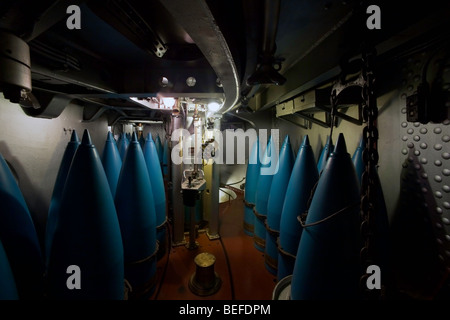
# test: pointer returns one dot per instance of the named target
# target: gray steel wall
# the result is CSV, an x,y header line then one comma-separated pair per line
x,y
34,148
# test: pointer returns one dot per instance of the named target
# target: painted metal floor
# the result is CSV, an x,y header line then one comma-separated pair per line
x,y
244,277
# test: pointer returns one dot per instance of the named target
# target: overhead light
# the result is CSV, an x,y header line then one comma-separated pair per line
x,y
168,102
244,109
163,82
191,81
213,106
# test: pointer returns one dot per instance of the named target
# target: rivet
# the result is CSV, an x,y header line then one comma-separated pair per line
x,y
446,188
423,161
405,138
446,155
446,138
439,210
423,145
404,124
423,130
446,172
438,146
416,138
438,163
404,151
438,194
410,145
416,124
403,110
446,205
416,153
437,178
437,130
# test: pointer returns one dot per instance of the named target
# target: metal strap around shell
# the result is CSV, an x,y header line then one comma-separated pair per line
x,y
275,233
261,217
302,218
284,252
248,204
150,257
162,225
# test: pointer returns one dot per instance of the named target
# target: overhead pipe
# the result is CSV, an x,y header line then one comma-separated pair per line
x,y
197,19
267,70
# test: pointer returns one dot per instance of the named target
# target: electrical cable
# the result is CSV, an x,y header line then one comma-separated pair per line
x,y
230,273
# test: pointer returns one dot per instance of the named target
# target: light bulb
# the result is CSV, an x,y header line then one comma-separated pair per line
x,y
169,102
213,106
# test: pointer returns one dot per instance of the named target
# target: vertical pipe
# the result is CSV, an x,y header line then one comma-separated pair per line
x,y
213,229
192,243
177,199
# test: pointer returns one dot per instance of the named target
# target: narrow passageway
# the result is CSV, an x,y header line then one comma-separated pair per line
x,y
244,277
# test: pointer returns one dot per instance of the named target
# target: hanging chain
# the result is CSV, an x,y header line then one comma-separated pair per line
x,y
368,185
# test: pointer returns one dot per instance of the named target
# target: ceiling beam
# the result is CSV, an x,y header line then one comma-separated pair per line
x,y
198,21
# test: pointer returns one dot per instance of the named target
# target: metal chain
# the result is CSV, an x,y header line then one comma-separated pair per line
x,y
368,187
